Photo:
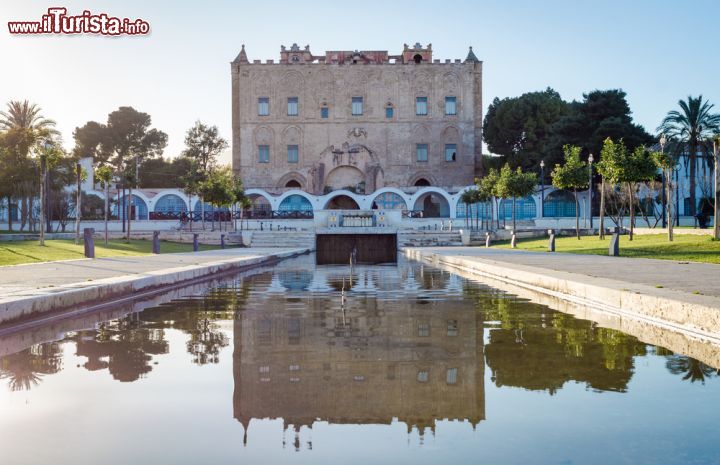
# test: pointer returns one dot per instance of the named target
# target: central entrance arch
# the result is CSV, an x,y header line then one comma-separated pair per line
x,y
342,202
345,177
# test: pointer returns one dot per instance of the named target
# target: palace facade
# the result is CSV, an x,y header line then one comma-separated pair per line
x,y
356,120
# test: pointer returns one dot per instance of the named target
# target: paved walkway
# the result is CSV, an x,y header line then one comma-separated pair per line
x,y
38,276
34,289
690,277
678,295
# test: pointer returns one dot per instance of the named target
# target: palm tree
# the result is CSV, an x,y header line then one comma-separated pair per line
x,y
25,115
30,128
691,126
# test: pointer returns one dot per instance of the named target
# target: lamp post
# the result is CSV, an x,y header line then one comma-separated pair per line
x,y
542,188
590,162
47,145
663,141
716,220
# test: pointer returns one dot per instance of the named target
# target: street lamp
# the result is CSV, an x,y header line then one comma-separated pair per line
x,y
590,162
663,141
716,220
47,145
542,188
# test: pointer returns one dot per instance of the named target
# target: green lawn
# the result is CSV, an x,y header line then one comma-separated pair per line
x,y
14,253
683,248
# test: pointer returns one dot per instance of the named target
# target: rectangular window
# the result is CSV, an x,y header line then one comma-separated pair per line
x,y
421,106
292,106
263,154
324,112
293,331
451,376
263,106
450,105
292,153
421,150
423,329
389,112
294,368
450,152
423,376
452,328
264,369
357,106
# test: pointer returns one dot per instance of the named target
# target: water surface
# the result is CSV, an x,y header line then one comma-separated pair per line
x,y
387,364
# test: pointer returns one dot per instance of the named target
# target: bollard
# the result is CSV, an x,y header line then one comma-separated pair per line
x,y
156,242
614,250
487,239
513,240
551,242
196,244
261,226
222,241
89,242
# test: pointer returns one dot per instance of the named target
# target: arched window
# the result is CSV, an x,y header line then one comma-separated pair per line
x,y
295,202
484,209
170,203
560,204
422,182
390,201
139,208
293,184
417,58
525,209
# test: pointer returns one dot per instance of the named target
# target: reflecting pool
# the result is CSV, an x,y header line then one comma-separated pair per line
x,y
323,364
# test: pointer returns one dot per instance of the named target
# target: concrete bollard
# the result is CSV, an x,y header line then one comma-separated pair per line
x,y
196,243
222,241
513,240
614,249
488,240
156,242
551,242
89,242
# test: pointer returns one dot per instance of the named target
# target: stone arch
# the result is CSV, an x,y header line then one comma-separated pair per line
x,y
344,176
420,175
434,203
291,84
342,200
292,176
263,135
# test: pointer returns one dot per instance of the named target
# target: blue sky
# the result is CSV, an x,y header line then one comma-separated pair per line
x,y
657,51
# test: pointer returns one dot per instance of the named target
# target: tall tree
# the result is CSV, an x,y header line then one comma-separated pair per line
x,y
572,175
203,146
601,114
667,163
694,124
515,184
125,142
519,128
25,131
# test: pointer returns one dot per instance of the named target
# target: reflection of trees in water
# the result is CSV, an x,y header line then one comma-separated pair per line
x,y
122,346
197,318
690,369
24,370
536,348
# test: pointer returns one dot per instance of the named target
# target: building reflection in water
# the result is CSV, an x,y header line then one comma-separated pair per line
x,y
382,344
382,354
